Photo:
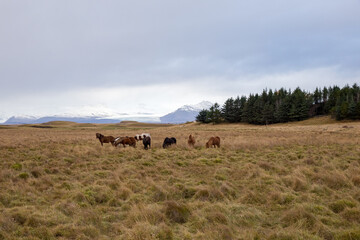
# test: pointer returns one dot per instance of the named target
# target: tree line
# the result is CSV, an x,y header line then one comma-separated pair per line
x,y
283,105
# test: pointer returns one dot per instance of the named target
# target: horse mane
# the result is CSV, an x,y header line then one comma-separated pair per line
x,y
99,135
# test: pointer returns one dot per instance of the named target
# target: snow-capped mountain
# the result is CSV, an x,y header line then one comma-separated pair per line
x,y
85,114
186,113
20,120
88,118
85,119
2,117
197,107
100,114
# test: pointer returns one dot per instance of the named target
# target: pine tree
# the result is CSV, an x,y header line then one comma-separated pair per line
x,y
358,110
228,111
257,110
352,111
270,98
317,96
245,112
251,109
239,105
331,103
282,114
215,114
293,113
268,114
356,93
325,93
344,110
203,116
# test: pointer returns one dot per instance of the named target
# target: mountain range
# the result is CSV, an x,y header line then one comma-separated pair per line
x,y
186,113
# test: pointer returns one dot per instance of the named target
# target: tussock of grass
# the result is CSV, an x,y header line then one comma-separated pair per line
x,y
286,181
16,166
348,234
216,218
356,181
177,212
150,214
24,175
351,215
210,194
340,205
300,217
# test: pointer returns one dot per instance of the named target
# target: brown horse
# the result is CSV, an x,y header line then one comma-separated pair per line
x,y
105,139
213,141
191,141
118,139
126,141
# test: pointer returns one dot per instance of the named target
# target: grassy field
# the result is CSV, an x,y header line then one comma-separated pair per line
x,y
285,181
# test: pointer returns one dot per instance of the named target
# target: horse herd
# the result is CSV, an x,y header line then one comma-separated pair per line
x,y
146,139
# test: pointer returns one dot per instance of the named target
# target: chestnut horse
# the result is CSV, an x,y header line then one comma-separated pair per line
x,y
213,141
191,141
105,139
126,141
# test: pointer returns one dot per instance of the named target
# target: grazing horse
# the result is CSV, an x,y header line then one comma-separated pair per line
x,y
118,139
191,141
105,139
147,142
213,141
126,141
139,137
168,142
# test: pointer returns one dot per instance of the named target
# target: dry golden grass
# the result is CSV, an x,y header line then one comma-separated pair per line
x,y
286,181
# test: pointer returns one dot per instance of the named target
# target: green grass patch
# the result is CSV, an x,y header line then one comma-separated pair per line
x,y
17,166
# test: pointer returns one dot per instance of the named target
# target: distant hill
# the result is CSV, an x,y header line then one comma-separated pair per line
x,y
32,120
186,113
136,124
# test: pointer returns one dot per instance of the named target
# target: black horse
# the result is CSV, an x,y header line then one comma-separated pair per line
x,y
147,142
168,142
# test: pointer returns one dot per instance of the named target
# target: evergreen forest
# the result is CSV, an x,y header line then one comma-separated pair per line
x,y
283,105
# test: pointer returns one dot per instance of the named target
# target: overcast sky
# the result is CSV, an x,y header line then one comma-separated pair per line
x,y
154,56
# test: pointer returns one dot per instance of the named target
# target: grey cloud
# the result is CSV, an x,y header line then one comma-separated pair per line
x,y
64,45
